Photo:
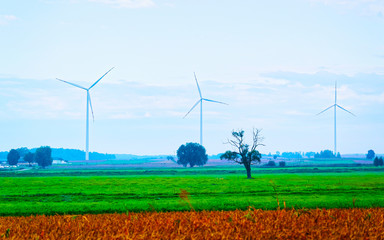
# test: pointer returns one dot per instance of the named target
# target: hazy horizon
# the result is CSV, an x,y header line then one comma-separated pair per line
x,y
275,63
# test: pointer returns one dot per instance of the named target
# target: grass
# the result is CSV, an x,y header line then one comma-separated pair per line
x,y
98,191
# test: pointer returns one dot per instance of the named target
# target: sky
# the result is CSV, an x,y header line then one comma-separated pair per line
x,y
274,62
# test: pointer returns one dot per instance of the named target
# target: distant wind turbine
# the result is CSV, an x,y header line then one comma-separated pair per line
x,y
334,106
89,104
201,108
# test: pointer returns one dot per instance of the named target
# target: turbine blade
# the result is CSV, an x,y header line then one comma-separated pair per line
x,y
209,100
198,87
346,110
72,84
100,79
325,109
192,107
90,104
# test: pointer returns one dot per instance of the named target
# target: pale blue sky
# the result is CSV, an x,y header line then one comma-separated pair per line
x,y
274,62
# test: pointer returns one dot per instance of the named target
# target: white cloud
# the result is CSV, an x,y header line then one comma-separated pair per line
x,y
369,7
127,3
5,19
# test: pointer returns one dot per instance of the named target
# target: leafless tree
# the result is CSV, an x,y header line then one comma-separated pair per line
x,y
243,153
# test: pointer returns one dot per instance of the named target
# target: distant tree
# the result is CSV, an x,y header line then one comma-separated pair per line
x,y
244,154
371,154
325,154
43,156
338,155
282,164
13,157
192,154
171,158
274,157
271,163
310,154
22,151
378,161
29,158
296,155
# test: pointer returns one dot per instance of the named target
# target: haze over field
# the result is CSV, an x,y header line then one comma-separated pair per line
x,y
274,62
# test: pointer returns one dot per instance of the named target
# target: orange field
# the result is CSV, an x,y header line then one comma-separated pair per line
x,y
252,224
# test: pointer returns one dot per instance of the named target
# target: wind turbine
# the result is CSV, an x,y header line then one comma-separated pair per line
x,y
335,106
201,108
89,104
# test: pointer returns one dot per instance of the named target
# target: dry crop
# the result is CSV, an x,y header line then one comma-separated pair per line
x,y
251,224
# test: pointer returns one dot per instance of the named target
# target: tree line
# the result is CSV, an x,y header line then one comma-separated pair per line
x,y
64,154
42,156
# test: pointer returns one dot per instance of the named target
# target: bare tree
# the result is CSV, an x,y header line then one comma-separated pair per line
x,y
243,153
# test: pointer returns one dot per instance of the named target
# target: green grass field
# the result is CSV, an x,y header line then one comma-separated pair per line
x,y
99,191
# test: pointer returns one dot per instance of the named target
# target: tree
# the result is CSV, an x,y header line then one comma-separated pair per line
x,y
43,156
325,154
22,151
271,163
29,157
13,157
282,164
192,154
371,154
378,161
292,155
244,154
171,158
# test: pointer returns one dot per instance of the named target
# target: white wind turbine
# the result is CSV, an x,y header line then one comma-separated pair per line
x,y
89,104
201,108
334,106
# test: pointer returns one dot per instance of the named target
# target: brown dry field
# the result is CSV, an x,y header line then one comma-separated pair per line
x,y
352,223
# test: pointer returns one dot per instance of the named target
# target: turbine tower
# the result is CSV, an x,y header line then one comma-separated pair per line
x,y
201,108
334,112
89,104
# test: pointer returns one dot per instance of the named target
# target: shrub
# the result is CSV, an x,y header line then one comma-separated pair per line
x,y
282,164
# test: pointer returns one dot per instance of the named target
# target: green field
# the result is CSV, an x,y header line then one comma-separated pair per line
x,y
100,191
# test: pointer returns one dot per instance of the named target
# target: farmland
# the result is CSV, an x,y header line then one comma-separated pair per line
x,y
248,224
225,188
